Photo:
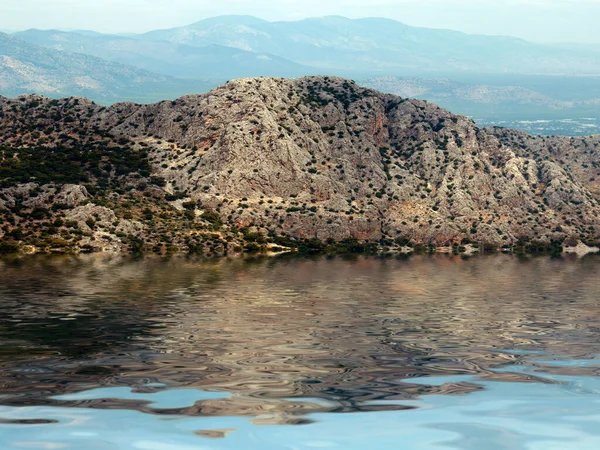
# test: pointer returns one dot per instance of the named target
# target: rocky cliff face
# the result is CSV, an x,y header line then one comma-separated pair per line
x,y
321,158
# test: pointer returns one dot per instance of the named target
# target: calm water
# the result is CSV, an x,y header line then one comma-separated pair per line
x,y
425,352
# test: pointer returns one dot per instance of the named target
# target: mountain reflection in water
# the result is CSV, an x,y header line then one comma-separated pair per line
x,y
336,335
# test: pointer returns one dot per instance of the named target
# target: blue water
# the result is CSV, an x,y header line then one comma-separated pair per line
x,y
555,412
355,354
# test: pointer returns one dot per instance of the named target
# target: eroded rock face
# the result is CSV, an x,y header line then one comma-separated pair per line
x,y
341,161
320,157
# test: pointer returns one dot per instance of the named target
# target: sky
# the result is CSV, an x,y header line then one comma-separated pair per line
x,y
535,20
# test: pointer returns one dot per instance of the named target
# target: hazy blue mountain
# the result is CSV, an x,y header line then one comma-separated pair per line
x,y
83,32
510,95
463,97
381,45
481,96
468,74
29,68
168,58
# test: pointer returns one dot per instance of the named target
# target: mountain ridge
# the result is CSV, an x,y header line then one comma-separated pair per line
x,y
316,162
361,49
359,42
165,58
29,68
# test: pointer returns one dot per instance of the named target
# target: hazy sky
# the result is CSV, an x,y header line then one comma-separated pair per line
x,y
537,20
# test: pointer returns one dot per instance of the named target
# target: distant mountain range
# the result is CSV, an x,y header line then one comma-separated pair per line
x,y
336,45
382,45
444,66
486,97
169,58
29,68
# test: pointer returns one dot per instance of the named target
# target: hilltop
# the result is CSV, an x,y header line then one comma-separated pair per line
x,y
311,162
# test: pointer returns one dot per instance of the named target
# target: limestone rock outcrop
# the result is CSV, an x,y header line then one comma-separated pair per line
x,y
321,158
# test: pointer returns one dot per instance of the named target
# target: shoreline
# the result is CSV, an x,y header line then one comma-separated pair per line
x,y
272,250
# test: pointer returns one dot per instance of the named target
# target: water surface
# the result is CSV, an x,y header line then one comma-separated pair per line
x,y
423,352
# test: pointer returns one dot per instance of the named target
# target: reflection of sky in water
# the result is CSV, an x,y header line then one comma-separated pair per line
x,y
174,398
563,414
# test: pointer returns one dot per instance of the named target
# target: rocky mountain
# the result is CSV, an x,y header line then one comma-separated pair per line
x,y
315,162
167,58
29,68
373,45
